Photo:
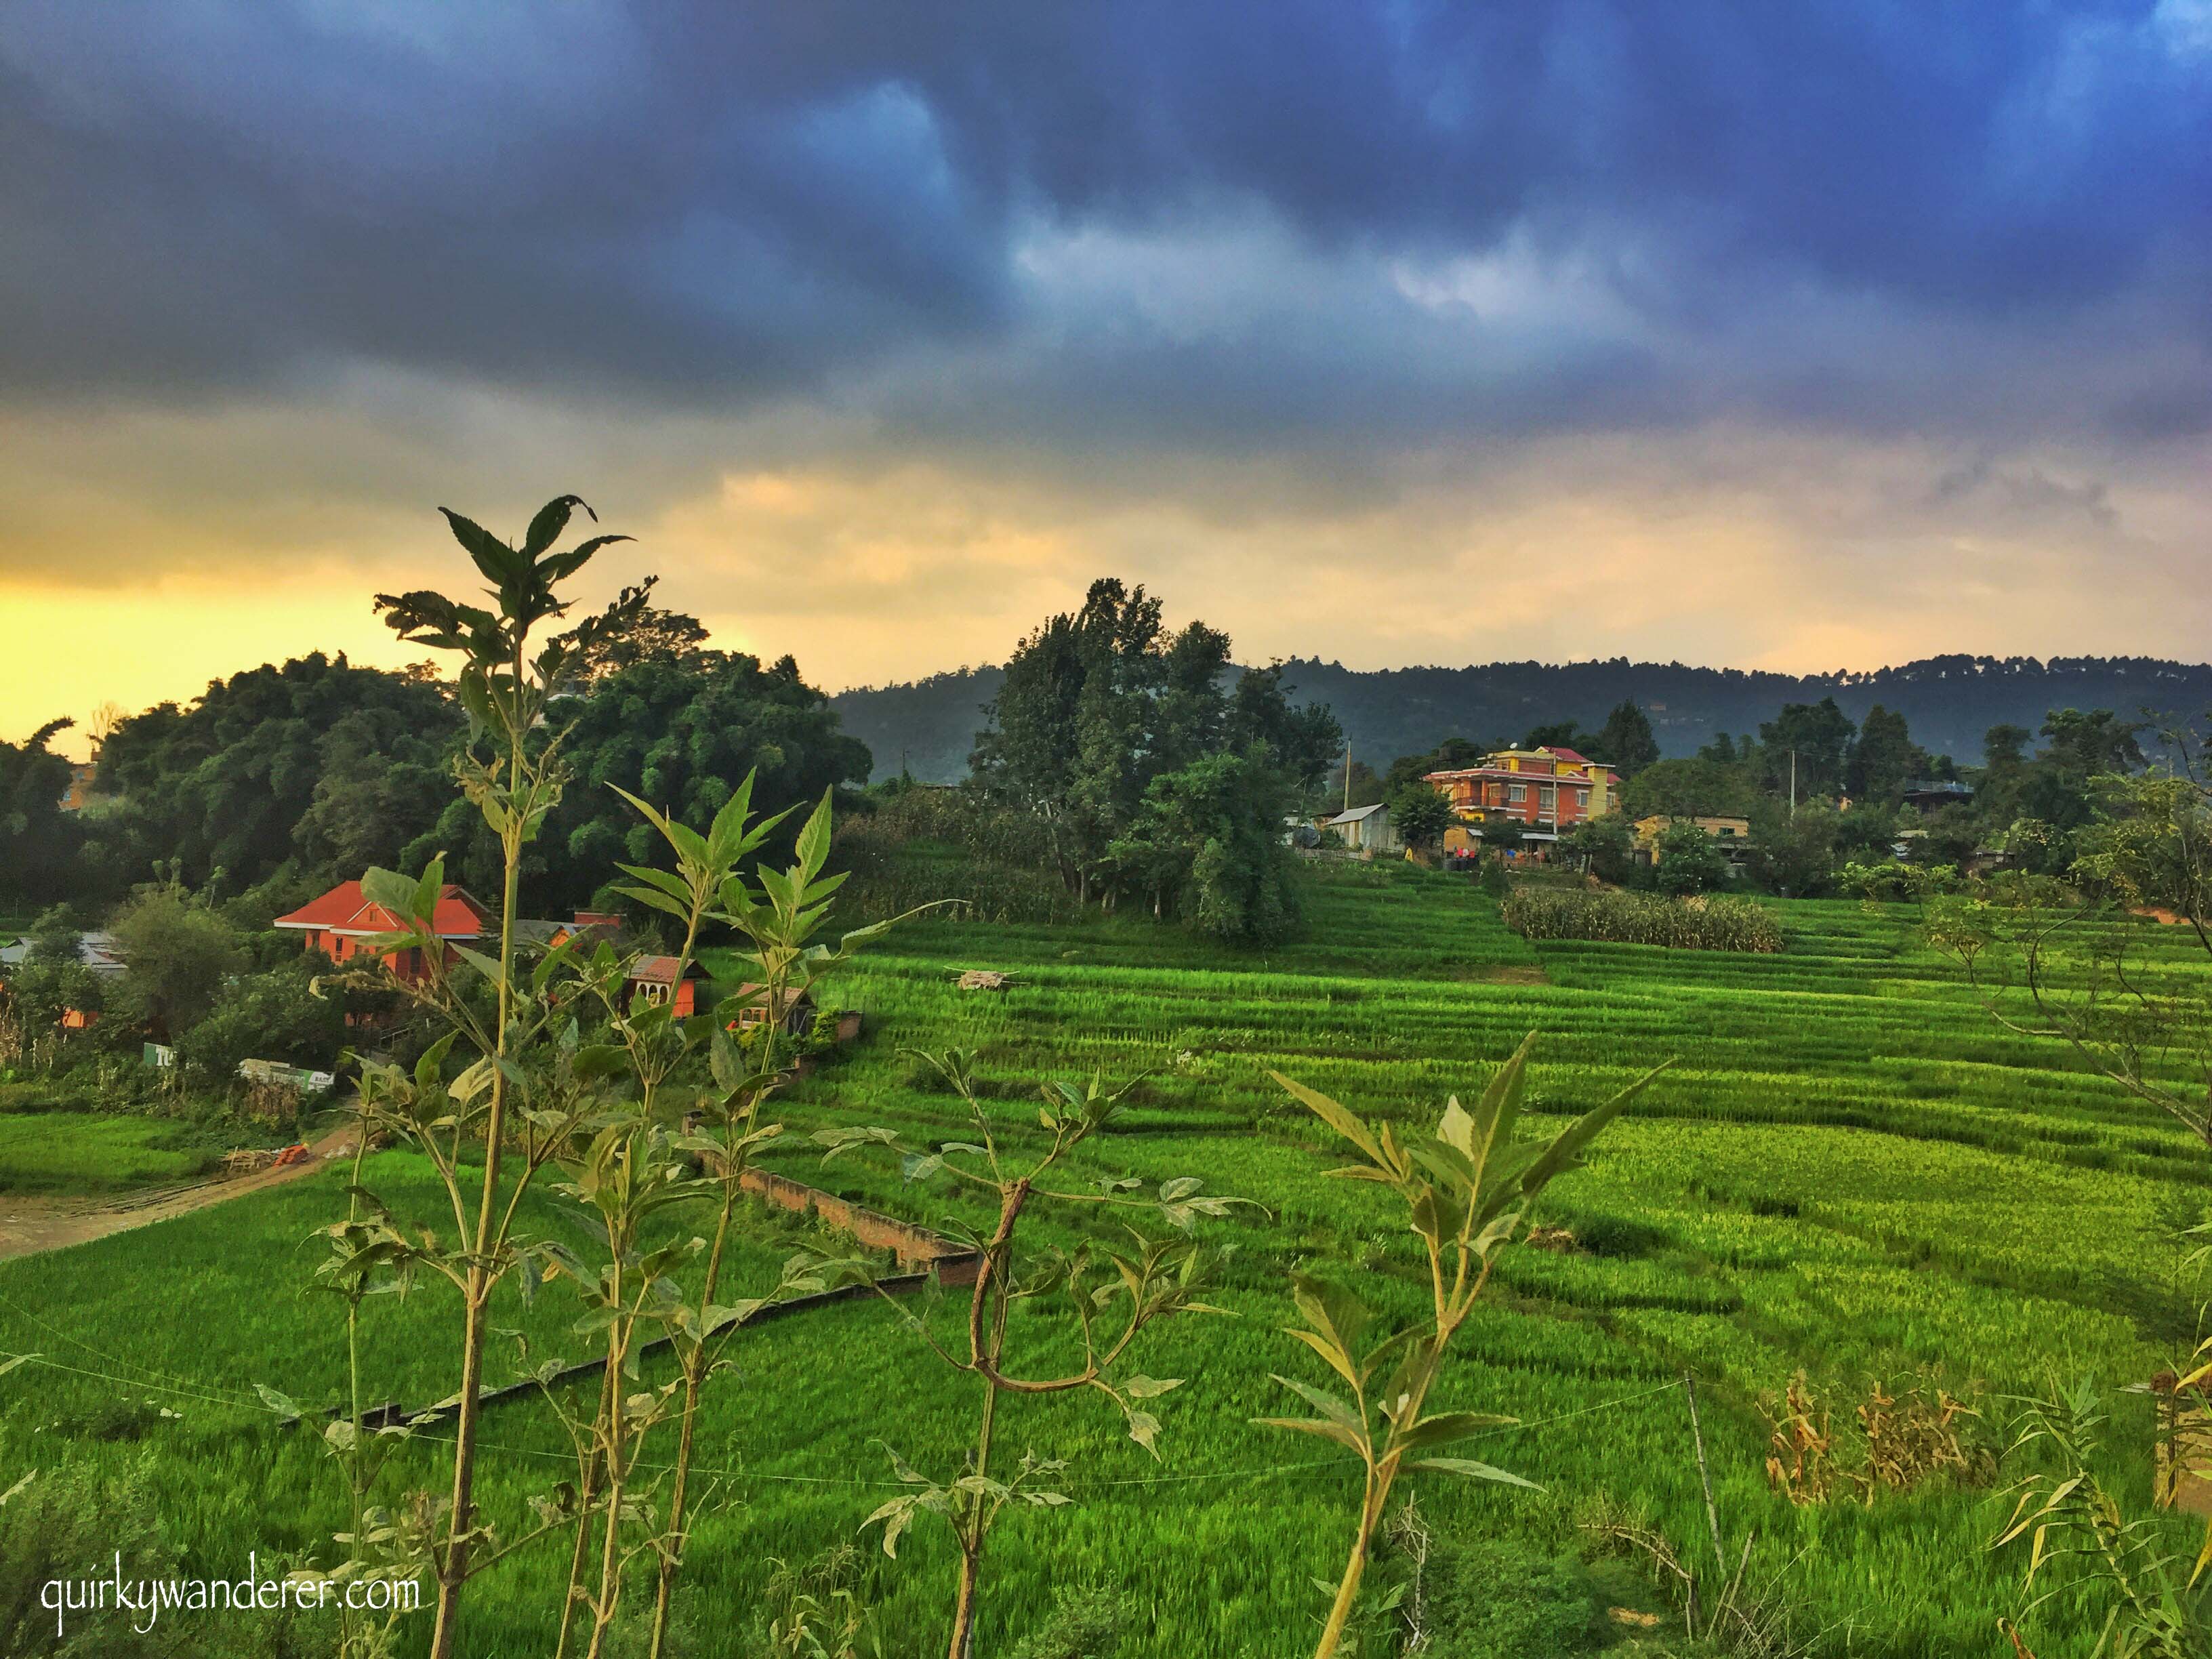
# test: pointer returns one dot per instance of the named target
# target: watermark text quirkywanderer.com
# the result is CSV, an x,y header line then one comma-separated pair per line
x,y
143,1600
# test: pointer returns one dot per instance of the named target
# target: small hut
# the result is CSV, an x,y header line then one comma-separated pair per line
x,y
795,1013
654,979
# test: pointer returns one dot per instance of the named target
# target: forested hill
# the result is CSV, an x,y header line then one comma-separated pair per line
x,y
1949,701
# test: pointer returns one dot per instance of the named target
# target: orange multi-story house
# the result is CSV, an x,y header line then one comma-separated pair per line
x,y
341,922
1549,790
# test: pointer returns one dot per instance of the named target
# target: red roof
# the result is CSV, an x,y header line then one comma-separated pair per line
x,y
345,910
661,970
1566,755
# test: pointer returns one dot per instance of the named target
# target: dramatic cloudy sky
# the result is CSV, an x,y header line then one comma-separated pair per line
x,y
1797,335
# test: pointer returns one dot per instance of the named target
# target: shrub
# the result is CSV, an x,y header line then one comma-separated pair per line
x,y
1688,860
70,1522
1684,924
1084,1623
1505,1602
271,1016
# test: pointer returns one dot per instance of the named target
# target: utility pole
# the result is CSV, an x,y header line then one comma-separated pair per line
x,y
1792,785
1347,777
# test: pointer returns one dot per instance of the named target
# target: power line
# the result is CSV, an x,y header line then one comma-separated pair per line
x,y
1264,1471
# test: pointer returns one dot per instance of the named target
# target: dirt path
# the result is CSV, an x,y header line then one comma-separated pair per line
x,y
28,1226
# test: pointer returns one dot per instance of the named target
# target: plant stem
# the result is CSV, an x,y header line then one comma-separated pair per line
x,y
1348,1589
603,1612
695,1375
356,1465
587,1491
972,1537
452,1570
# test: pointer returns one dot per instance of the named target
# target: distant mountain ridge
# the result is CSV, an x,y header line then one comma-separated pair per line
x,y
930,725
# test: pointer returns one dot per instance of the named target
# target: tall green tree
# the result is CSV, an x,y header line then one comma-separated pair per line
x,y
1419,814
1885,758
1795,853
1207,846
1098,706
1606,847
1819,735
37,839
649,634
1564,734
1625,742
2081,746
178,957
1448,755
1692,787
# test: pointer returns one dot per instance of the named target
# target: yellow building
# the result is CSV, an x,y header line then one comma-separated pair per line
x,y
1733,834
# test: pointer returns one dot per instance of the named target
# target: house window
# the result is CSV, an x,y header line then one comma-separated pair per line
x,y
1582,798
1516,792
654,992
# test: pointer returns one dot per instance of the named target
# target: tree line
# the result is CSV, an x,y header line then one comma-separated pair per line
x,y
285,779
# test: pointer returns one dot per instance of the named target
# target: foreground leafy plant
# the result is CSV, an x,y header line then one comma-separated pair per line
x,y
780,916
1466,1191
1154,1279
512,770
2066,1516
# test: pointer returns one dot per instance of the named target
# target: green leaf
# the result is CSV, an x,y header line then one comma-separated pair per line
x,y
500,564
391,890
1495,1113
283,1404
1473,1471
487,966
1456,1130
1337,1317
1145,1430
550,520
562,566
1338,1117
1328,1405
1327,1430
656,900
1447,1427
1567,1145
813,846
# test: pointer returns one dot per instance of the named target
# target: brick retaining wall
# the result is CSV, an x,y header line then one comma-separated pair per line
x,y
914,1245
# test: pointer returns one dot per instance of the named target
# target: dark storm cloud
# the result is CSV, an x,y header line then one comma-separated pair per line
x,y
709,205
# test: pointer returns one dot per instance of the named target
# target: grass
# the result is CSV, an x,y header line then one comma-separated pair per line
x,y
1850,1171
92,1152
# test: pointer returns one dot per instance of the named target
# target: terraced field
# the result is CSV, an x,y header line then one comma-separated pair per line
x,y
1850,1171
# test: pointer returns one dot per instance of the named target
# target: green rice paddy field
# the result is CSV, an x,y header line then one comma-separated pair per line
x,y
1850,1171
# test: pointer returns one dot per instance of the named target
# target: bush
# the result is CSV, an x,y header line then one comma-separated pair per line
x,y
1685,859
271,1016
1084,1623
72,1522
1500,1601
1619,917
